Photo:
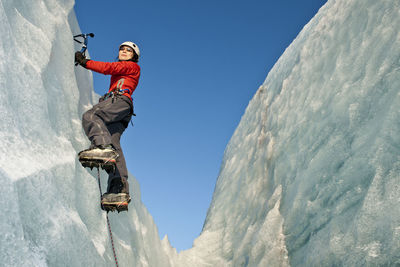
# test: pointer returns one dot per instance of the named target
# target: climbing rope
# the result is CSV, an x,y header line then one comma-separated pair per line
x,y
112,241
108,221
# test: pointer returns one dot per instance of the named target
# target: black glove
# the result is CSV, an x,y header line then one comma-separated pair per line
x,y
80,59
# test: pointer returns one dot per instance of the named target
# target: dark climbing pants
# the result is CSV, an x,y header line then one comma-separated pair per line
x,y
104,125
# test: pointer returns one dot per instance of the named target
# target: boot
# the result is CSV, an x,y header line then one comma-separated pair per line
x,y
104,153
112,201
101,156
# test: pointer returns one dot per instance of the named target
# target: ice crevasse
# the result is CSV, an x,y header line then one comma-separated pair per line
x,y
310,177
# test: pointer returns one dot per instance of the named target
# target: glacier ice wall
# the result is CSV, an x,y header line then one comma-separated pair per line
x,y
311,174
50,212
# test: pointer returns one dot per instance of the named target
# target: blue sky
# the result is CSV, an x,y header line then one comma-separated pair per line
x,y
201,62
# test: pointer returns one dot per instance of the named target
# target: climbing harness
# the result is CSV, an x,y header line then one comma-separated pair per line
x,y
117,92
114,93
108,221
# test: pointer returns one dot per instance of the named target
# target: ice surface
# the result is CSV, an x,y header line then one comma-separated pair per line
x,y
311,174
50,212
309,178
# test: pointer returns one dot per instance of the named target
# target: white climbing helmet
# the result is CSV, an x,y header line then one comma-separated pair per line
x,y
133,46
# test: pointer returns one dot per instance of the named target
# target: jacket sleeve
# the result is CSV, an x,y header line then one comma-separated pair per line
x,y
113,68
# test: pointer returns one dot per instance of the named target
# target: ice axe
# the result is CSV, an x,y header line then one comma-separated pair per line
x,y
84,43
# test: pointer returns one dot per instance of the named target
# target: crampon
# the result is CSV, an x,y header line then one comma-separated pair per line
x,y
106,164
114,207
115,202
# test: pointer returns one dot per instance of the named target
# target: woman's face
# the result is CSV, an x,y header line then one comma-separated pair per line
x,y
125,53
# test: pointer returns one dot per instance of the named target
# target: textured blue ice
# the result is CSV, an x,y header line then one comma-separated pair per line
x,y
311,176
50,213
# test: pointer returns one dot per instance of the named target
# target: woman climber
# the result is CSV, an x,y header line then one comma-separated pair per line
x,y
105,122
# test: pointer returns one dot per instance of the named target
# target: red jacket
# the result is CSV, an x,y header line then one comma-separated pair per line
x,y
124,74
